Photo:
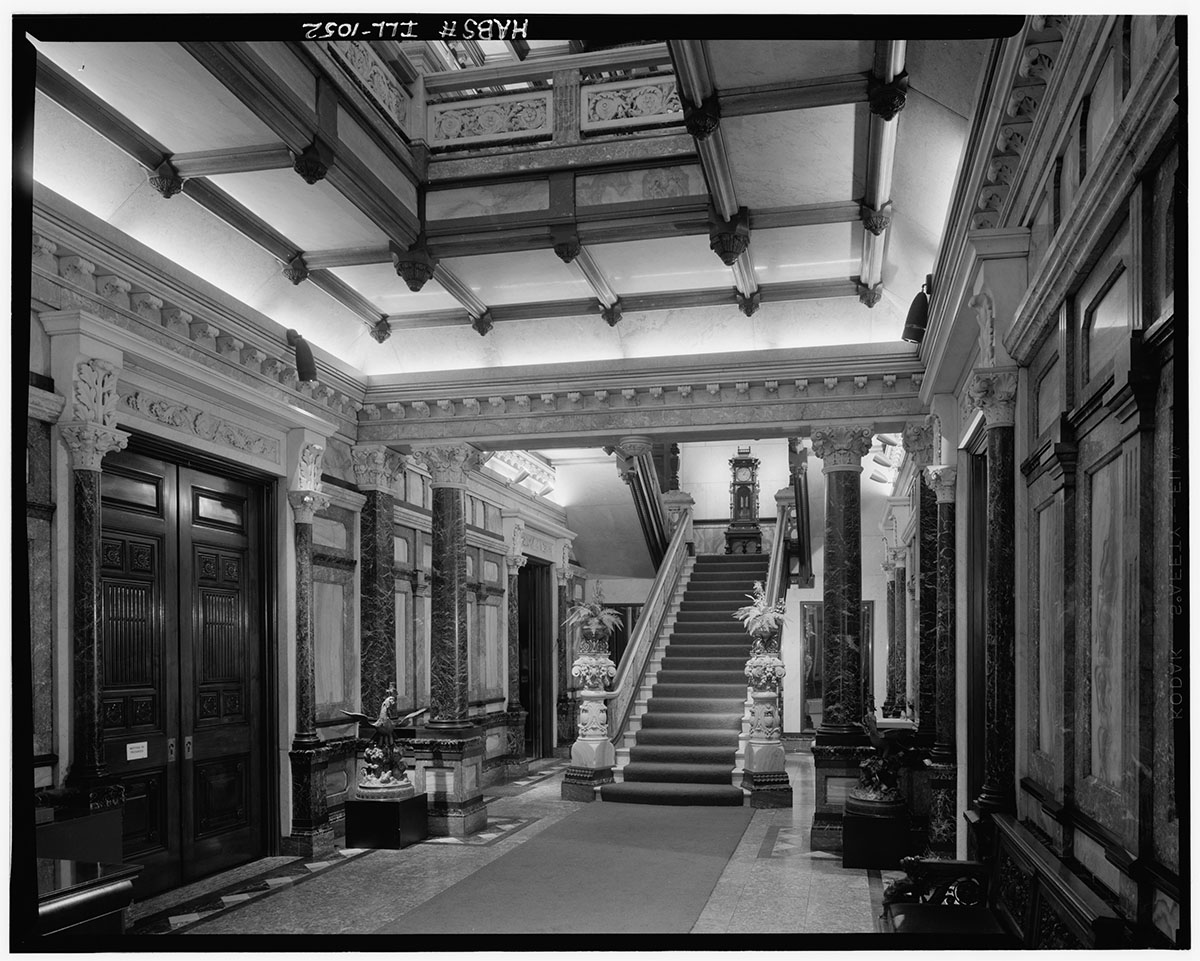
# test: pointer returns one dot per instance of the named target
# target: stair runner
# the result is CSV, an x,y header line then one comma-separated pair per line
x,y
684,751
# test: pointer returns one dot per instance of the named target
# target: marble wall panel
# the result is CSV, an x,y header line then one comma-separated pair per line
x,y
1106,612
487,200
1046,684
336,461
625,186
404,655
492,645
334,691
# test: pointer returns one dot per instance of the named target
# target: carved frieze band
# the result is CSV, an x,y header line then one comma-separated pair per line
x,y
201,423
494,119
447,466
630,103
994,391
110,291
373,76
617,397
841,447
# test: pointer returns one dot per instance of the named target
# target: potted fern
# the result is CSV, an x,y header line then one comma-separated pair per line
x,y
596,621
763,620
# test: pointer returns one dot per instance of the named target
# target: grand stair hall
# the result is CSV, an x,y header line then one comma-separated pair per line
x,y
685,750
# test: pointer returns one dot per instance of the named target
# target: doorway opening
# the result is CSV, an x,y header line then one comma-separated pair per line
x,y
535,593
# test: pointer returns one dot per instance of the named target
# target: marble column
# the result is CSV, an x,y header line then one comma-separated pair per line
x,y
841,743
889,573
305,503
448,754
994,391
448,655
918,443
942,478
515,761
897,654
374,471
88,429
841,449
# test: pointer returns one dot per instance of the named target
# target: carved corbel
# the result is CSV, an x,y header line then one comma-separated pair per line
x,y
414,265
314,161
749,304
729,239
296,270
876,221
612,313
702,121
381,330
165,179
483,323
886,100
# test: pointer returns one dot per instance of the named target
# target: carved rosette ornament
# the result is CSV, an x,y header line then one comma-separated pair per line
x,y
729,239
702,121
942,479
994,391
448,466
414,265
887,99
842,447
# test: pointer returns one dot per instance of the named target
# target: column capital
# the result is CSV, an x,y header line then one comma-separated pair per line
x,y
918,443
898,557
942,479
993,390
88,442
888,567
305,503
634,445
516,562
842,447
375,466
448,466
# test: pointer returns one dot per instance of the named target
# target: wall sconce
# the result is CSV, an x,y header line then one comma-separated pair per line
x,y
306,367
918,314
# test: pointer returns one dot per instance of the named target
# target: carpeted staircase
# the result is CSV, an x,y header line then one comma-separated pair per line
x,y
684,751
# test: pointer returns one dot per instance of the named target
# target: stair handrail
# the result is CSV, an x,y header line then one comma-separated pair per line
x,y
632,668
776,585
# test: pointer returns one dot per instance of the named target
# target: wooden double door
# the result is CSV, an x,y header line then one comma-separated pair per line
x,y
182,696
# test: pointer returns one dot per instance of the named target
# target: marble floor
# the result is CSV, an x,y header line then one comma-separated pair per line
x,y
774,883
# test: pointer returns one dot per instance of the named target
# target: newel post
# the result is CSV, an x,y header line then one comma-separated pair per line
x,y
763,773
592,754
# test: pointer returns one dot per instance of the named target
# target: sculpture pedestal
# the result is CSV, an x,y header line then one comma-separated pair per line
x,y
836,770
447,769
392,823
875,842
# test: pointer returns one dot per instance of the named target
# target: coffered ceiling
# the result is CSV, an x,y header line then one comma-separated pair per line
x,y
567,211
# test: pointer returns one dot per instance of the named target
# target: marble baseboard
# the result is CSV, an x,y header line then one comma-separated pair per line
x,y
455,819
317,843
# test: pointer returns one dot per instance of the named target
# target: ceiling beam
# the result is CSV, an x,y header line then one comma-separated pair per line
x,y
889,83
669,300
76,99
233,160
823,92
254,84
595,277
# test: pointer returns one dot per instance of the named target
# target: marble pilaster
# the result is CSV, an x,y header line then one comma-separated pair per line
x,y
448,654
374,470
305,503
564,716
889,574
841,739
88,429
993,390
918,443
893,706
943,480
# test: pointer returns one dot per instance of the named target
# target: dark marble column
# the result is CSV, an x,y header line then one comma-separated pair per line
x,y
374,470
564,713
943,480
889,573
517,714
918,443
842,449
448,655
88,442
994,392
898,592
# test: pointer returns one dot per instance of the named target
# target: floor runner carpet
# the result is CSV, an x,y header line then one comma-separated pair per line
x,y
608,868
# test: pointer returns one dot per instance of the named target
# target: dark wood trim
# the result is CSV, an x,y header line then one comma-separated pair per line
x,y
44,760
41,382
335,561
1049,805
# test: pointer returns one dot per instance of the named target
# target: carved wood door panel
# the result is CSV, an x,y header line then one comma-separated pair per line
x,y
182,653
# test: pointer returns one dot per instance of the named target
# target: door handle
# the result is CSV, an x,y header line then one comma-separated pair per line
x,y
187,748
171,750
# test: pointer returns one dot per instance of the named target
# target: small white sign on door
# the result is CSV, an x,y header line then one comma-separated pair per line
x,y
137,750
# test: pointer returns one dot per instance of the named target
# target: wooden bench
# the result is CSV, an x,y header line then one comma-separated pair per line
x,y
1024,898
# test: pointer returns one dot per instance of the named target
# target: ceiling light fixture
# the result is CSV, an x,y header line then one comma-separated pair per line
x,y
918,314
